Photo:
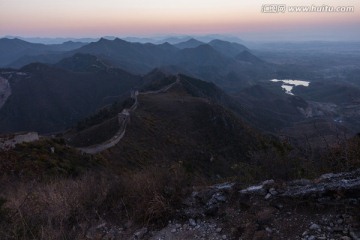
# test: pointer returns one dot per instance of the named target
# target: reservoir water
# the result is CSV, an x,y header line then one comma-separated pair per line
x,y
289,84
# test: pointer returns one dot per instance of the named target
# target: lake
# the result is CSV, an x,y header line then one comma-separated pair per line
x,y
289,84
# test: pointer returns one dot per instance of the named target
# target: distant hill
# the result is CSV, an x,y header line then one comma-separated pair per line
x,y
191,43
221,62
196,88
320,111
203,55
203,61
228,48
13,49
134,57
331,91
271,109
57,40
47,99
46,58
174,40
344,97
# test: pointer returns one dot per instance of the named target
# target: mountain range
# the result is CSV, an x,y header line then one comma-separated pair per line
x,y
13,49
68,82
116,139
51,98
227,64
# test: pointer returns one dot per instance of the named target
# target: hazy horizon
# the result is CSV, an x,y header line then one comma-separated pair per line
x,y
246,20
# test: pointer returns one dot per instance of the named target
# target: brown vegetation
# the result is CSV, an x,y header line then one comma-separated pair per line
x,y
65,208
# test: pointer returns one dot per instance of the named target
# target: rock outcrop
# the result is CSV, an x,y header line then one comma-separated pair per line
x,y
10,141
324,208
319,209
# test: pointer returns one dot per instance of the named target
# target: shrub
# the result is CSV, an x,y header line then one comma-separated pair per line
x,y
61,208
153,194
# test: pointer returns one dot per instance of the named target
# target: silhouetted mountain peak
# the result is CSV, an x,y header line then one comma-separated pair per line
x,y
202,51
191,43
8,44
193,40
103,40
155,78
72,42
69,42
119,40
218,41
222,42
11,40
227,48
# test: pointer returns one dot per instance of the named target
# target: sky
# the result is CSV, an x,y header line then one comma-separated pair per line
x,y
242,18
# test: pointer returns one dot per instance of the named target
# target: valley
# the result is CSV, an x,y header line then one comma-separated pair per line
x,y
192,138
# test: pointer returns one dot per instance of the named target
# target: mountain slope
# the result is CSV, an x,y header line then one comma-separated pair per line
x,y
11,50
203,61
230,49
199,56
187,124
83,63
47,99
271,109
246,56
134,57
191,43
214,62
173,127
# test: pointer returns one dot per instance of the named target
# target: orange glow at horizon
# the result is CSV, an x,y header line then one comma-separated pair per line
x,y
104,17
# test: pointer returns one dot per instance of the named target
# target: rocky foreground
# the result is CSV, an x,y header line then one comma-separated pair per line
x,y
324,208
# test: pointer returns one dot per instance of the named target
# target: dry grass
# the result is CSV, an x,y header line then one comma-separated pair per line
x,y
155,192
47,210
66,208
